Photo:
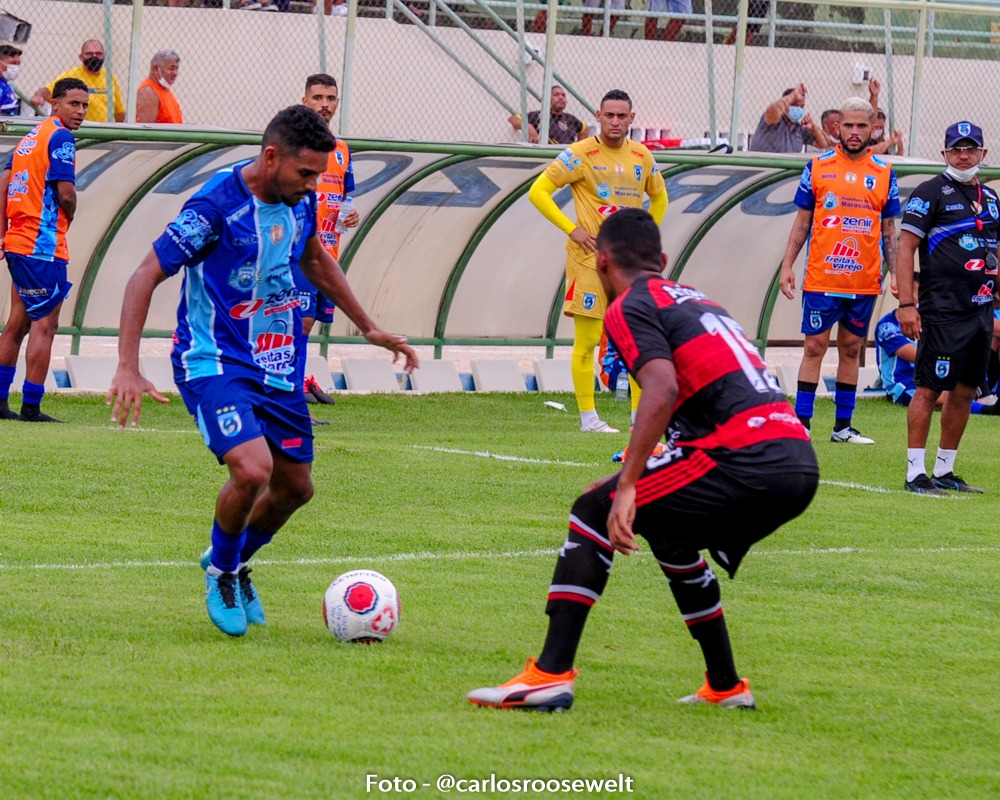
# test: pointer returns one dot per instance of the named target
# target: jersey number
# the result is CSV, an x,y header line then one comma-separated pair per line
x,y
731,333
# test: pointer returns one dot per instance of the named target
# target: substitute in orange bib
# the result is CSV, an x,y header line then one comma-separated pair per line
x,y
847,199
155,100
37,204
605,173
333,187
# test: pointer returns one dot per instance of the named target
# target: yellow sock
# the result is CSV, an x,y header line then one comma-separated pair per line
x,y
586,338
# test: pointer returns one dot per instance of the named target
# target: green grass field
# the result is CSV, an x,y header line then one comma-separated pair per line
x,y
868,627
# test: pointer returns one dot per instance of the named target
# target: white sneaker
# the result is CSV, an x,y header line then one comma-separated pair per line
x,y
851,436
598,426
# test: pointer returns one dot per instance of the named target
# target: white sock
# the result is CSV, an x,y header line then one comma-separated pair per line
x,y
586,417
915,462
635,413
945,462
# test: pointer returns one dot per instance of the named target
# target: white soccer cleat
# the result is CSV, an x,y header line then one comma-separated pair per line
x,y
597,426
739,696
532,690
850,436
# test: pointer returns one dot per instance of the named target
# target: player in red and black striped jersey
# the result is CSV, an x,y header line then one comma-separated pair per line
x,y
738,464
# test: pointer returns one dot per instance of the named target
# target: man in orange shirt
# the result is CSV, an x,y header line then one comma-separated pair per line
x,y
847,199
37,204
155,100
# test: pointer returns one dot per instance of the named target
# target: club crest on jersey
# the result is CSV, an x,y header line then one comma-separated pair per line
x,y
638,173
230,423
830,201
815,320
992,208
942,367
277,233
244,277
968,242
869,182
589,300
850,177
603,191
339,156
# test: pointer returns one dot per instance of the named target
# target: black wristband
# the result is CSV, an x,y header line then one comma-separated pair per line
x,y
907,305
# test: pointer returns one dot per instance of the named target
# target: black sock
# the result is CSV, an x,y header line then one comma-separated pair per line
x,y
713,636
566,621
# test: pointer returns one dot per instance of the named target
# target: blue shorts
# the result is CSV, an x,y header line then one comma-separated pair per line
x,y
41,285
311,302
231,410
821,311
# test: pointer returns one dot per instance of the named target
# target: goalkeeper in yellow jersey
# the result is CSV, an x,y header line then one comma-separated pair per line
x,y
605,173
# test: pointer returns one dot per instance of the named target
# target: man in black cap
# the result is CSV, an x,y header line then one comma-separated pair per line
x,y
954,221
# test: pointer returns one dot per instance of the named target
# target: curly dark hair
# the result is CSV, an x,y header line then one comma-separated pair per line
x,y
633,237
298,128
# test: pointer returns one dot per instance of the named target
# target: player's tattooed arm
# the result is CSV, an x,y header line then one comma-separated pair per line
x,y
889,245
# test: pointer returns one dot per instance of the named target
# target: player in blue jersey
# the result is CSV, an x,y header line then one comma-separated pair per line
x,y
234,354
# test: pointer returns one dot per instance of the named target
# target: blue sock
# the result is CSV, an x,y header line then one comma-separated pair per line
x,y
977,408
226,548
255,539
6,379
33,393
805,401
845,395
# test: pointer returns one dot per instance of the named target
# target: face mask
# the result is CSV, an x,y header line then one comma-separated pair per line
x,y
93,64
877,133
796,113
12,71
165,83
962,175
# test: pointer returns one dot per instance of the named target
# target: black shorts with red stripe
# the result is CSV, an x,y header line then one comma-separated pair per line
x,y
722,501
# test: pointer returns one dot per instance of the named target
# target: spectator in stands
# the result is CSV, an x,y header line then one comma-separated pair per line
x,y
155,100
896,353
880,143
10,64
564,128
757,9
92,72
784,127
587,21
673,26
830,122
336,7
34,218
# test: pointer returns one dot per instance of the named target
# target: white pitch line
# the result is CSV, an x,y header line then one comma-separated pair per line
x,y
500,457
467,556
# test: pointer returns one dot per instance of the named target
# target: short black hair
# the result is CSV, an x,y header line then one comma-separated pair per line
x,y
321,79
827,114
7,50
66,85
298,128
787,92
633,237
616,94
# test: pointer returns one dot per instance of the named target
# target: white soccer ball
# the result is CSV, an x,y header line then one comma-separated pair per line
x,y
361,606
340,10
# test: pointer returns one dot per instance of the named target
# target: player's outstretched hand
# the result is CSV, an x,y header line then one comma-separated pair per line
x,y
126,391
620,520
397,344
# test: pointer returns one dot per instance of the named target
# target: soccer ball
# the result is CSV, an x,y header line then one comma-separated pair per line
x,y
361,606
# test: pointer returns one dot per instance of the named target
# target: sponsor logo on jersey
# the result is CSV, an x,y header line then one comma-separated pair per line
x,y
862,225
603,191
681,294
975,264
984,295
968,242
869,182
275,352
917,206
27,144
853,202
228,418
607,211
244,277
246,309
282,301
850,177
568,160
65,153
830,201
18,183
190,230
954,207
844,257
238,214
946,190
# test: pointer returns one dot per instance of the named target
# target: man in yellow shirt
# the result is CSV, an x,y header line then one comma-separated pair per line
x,y
605,173
92,72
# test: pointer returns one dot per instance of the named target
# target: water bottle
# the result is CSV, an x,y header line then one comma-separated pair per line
x,y
346,207
621,387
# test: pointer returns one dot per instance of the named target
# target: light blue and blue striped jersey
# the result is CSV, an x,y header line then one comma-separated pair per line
x,y
10,106
239,309
896,372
